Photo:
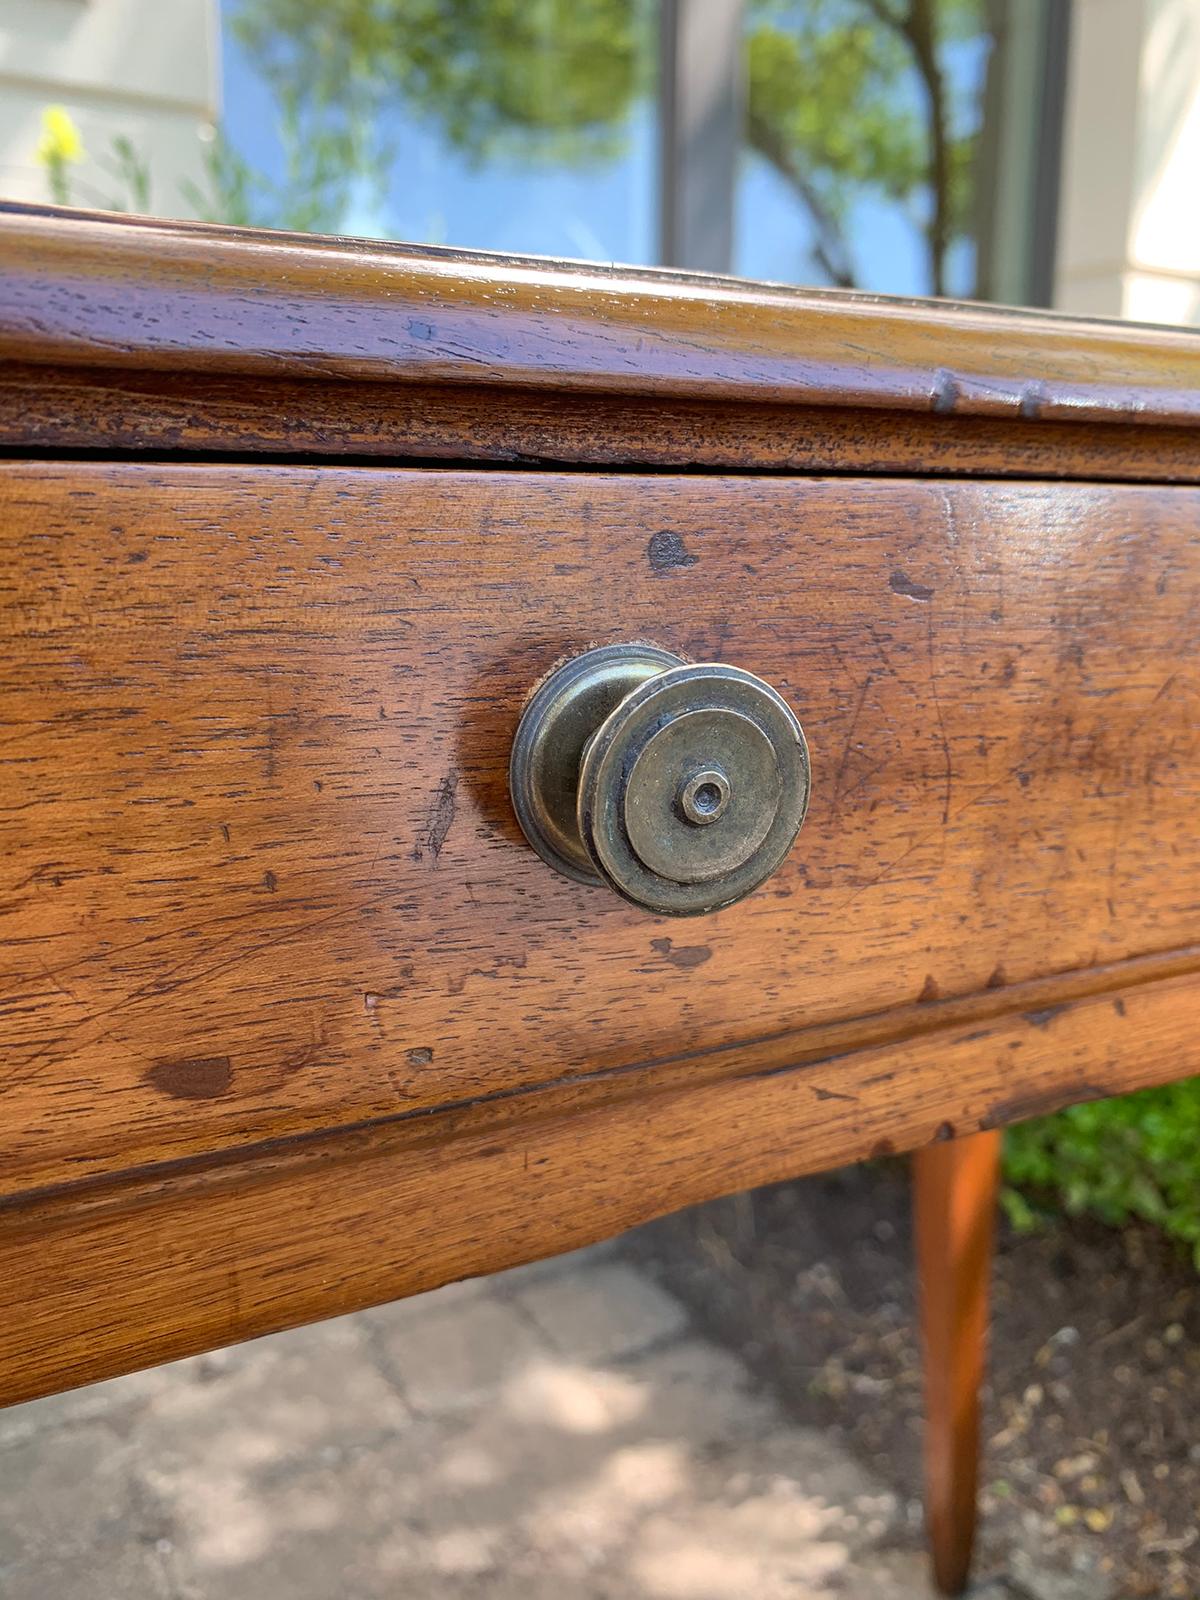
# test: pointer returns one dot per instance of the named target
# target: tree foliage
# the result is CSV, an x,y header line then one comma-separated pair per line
x,y
845,98
849,99
540,79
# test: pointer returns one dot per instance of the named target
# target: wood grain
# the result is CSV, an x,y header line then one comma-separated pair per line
x,y
95,290
96,408
292,1019
105,1277
261,874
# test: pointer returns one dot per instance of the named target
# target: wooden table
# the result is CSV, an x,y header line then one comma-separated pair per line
x,y
295,1021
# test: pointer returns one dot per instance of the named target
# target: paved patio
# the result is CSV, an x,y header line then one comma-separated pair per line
x,y
551,1433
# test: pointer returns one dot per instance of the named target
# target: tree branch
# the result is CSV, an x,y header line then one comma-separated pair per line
x,y
885,14
918,30
830,248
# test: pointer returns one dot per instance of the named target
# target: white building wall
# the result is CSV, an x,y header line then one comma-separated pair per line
x,y
1129,222
147,69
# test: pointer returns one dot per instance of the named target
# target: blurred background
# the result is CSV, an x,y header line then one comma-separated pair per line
x,y
725,1404
1024,151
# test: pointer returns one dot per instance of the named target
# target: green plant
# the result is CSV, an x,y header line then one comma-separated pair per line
x,y
131,171
319,170
321,166
1137,1156
59,149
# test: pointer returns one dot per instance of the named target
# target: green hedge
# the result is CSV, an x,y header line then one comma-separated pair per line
x,y
1138,1156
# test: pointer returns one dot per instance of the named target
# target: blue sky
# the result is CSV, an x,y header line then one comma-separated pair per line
x,y
601,212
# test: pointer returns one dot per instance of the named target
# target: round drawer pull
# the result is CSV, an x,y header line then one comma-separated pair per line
x,y
681,785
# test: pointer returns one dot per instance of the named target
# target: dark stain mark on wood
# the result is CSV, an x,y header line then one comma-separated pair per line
x,y
881,1148
1040,1103
832,1094
901,583
439,821
270,882
945,1131
1032,397
684,955
931,990
200,1078
1043,1018
945,392
421,1056
997,979
667,551
1119,1006
225,832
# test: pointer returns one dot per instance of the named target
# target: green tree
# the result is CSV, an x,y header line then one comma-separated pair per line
x,y
850,98
543,79
846,98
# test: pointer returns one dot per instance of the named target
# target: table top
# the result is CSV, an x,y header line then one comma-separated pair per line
x,y
658,365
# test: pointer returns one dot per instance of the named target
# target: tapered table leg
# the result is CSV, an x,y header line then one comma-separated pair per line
x,y
955,1197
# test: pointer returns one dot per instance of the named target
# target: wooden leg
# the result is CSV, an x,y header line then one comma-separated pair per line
x,y
955,1198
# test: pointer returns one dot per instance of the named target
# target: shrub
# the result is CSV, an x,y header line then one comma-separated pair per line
x,y
1137,1156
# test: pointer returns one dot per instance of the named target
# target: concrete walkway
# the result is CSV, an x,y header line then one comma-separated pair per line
x,y
551,1433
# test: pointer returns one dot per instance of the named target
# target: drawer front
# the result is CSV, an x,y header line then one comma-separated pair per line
x,y
263,874
264,888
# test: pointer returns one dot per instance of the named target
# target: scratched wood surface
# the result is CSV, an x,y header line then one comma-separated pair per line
x,y
262,878
105,1277
138,333
91,408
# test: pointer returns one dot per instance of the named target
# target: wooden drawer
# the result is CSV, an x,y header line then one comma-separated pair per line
x,y
293,1020
293,1017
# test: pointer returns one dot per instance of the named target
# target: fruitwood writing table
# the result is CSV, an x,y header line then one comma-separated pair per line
x,y
321,986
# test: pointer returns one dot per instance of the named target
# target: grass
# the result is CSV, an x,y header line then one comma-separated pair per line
x,y
1133,1157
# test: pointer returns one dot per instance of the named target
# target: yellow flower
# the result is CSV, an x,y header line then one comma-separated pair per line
x,y
61,140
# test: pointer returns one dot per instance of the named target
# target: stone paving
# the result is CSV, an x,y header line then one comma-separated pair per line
x,y
550,1433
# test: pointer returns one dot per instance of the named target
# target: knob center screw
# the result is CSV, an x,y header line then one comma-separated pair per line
x,y
704,797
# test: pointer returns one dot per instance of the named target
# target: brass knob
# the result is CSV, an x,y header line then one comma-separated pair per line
x,y
681,785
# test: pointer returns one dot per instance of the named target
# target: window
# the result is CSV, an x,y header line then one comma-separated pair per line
x,y
907,146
